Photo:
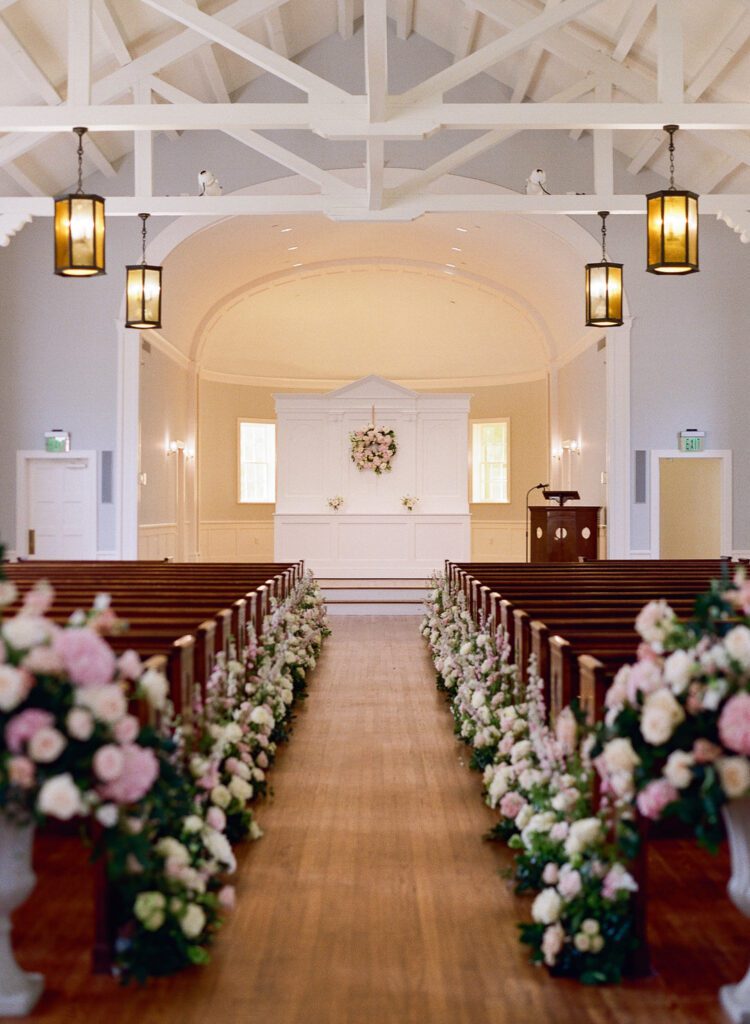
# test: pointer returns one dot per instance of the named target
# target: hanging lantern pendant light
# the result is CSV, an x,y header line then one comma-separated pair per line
x,y
604,287
79,228
143,289
672,225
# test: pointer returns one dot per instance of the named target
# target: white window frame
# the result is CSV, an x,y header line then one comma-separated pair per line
x,y
240,421
488,419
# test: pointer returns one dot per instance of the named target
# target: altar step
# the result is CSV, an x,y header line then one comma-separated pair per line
x,y
374,596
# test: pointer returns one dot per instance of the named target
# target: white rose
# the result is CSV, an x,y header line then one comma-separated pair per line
x,y
520,750
107,815
193,921
80,724
107,703
193,823
153,685
477,699
240,789
221,796
654,620
582,834
619,755
218,846
60,798
46,745
25,631
233,732
172,849
737,644
242,770
8,593
497,788
547,906
679,769
661,715
14,686
678,669
734,773
582,942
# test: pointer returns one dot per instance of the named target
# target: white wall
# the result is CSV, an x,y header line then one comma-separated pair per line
x,y
582,417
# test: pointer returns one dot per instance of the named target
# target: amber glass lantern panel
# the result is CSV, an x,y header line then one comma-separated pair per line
x,y
79,236
143,296
604,294
672,218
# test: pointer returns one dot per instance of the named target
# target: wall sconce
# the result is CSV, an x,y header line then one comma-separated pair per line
x,y
175,446
573,447
556,454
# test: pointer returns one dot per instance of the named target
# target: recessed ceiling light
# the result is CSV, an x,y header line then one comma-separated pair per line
x,y
462,230
296,264
456,248
284,230
292,248
451,266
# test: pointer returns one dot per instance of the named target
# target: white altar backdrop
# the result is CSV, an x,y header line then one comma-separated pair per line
x,y
372,535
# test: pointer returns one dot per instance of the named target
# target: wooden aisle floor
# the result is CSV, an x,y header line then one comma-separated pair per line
x,y
372,898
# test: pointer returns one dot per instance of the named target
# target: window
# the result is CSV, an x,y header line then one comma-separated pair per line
x,y
257,456
490,451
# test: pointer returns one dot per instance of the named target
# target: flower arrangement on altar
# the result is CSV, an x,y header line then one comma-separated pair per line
x,y
335,503
373,448
409,502
168,798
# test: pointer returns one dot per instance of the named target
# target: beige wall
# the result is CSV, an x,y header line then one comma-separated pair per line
x,y
222,404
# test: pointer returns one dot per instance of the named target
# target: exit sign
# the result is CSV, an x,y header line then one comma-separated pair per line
x,y
692,440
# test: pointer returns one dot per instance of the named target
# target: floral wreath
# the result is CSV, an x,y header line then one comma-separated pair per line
x,y
373,448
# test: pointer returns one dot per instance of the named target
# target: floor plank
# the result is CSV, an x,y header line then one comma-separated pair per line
x,y
372,897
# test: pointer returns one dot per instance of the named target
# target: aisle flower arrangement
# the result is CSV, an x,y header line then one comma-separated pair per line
x,y
373,448
72,748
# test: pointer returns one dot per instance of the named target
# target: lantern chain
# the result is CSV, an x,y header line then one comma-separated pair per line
x,y
144,218
604,214
80,132
671,128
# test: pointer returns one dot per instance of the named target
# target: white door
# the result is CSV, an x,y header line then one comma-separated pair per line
x,y
57,506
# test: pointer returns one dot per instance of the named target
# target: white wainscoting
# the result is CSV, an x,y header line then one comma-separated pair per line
x,y
157,541
409,545
236,541
498,540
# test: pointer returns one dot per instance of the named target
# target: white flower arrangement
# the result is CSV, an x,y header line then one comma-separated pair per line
x,y
373,448
335,503
409,502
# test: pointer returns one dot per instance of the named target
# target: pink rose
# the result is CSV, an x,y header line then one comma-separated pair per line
x,y
559,831
734,723
127,729
216,818
705,752
108,763
21,772
43,661
38,600
46,745
20,729
88,659
511,805
657,795
645,677
232,764
130,665
569,883
226,897
262,759
140,769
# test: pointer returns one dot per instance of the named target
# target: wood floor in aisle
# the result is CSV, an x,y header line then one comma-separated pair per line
x,y
372,898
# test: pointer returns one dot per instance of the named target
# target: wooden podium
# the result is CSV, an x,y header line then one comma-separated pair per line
x,y
562,533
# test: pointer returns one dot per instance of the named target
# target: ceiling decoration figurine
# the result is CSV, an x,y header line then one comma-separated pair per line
x,y
373,447
535,183
209,183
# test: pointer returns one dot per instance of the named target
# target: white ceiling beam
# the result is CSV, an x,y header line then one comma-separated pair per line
x,y
714,175
250,50
329,183
79,52
111,31
277,39
143,149
670,76
631,27
466,32
17,54
345,14
478,146
529,66
23,180
376,59
404,18
375,173
720,57
349,119
178,46
208,61
513,41
604,165
355,207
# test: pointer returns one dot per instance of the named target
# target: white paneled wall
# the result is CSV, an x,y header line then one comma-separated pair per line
x,y
157,541
240,541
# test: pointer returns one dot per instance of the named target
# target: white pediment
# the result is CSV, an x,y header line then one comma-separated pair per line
x,y
372,387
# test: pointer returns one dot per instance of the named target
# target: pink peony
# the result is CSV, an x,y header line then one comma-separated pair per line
x,y
140,769
21,772
645,677
88,659
130,665
226,897
734,723
127,729
705,752
216,818
108,763
20,729
511,805
655,797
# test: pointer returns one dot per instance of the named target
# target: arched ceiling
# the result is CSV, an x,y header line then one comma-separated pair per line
x,y
445,298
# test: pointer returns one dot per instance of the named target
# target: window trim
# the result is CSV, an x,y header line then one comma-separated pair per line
x,y
489,419
253,419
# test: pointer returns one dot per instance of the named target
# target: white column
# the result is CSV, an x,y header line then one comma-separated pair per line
x,y
618,440
128,441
